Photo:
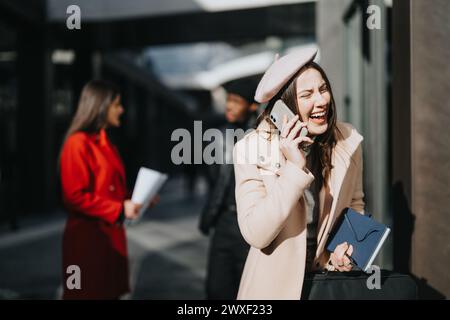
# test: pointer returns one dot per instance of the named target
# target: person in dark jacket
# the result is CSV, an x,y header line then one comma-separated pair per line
x,y
228,249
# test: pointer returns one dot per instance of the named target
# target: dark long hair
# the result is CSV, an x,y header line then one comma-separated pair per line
x,y
90,117
319,160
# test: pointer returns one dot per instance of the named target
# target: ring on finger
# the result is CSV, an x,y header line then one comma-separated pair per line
x,y
330,267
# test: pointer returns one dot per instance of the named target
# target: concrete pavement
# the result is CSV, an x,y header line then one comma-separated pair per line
x,y
167,253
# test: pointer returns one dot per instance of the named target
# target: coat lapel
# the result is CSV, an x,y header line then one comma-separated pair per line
x,y
113,156
340,159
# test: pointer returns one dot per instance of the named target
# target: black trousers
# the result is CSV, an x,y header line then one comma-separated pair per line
x,y
227,255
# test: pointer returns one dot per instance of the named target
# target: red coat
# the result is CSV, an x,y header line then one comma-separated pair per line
x,y
94,188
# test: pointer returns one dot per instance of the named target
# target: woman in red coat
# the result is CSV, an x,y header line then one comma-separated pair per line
x,y
94,193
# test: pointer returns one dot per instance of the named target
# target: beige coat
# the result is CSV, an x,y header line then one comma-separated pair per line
x,y
271,209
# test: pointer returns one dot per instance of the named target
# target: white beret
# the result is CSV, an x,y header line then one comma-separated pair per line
x,y
281,70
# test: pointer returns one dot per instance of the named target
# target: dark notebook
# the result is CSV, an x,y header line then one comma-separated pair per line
x,y
363,233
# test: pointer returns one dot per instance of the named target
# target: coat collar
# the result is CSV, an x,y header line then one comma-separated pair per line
x,y
103,138
111,153
99,137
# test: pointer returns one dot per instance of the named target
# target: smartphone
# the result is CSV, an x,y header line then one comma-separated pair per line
x,y
279,110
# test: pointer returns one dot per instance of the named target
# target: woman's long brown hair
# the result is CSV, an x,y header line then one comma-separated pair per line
x,y
319,161
92,110
96,97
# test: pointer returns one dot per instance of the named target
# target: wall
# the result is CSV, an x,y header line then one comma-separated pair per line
x,y
430,130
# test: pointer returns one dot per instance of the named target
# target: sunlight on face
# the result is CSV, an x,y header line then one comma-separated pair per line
x,y
313,99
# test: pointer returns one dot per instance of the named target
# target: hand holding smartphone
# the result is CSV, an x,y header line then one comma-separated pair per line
x,y
294,134
279,110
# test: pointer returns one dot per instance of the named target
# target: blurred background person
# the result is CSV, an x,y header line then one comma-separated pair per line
x,y
94,192
228,249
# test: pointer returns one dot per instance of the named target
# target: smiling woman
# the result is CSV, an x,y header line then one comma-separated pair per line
x,y
288,201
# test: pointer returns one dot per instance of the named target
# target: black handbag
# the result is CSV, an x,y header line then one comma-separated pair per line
x,y
353,286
